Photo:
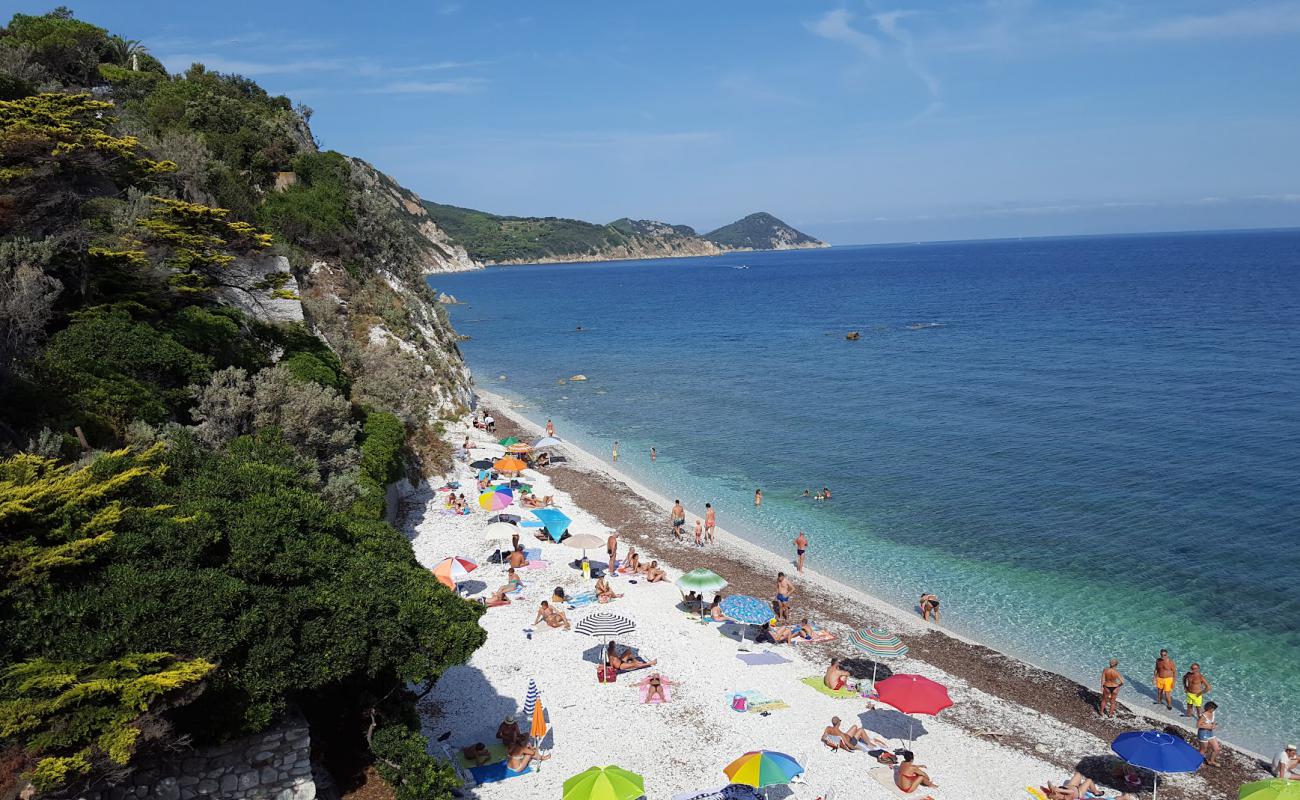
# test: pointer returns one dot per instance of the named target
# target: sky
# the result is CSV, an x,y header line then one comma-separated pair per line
x,y
857,122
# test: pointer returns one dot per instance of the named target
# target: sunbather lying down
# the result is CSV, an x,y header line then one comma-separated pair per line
x,y
626,661
655,687
1077,787
838,739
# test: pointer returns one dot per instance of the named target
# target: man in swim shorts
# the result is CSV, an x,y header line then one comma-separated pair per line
x,y
800,547
1196,686
1164,679
784,591
678,519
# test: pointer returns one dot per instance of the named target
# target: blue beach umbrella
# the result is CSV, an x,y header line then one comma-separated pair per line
x,y
1158,752
555,521
746,610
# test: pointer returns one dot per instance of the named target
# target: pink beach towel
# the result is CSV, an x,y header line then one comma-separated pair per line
x,y
644,690
537,565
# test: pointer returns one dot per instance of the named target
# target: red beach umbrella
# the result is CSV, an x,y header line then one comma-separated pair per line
x,y
913,694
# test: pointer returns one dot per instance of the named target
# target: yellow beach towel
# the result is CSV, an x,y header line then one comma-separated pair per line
x,y
816,682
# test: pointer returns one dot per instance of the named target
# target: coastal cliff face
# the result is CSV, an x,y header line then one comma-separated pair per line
x,y
432,249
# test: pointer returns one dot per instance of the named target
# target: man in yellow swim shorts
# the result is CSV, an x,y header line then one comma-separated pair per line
x,y
1196,686
1164,680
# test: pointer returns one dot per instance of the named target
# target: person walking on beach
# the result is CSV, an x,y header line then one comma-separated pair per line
x,y
1196,686
611,549
758,497
784,591
1111,680
678,519
1207,736
710,522
616,451
800,547
1165,672
550,428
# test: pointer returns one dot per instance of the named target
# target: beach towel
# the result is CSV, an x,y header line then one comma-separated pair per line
x,y
767,706
885,777
537,564
762,659
532,553
818,637
644,691
494,773
582,600
816,682
756,702
496,753
1036,793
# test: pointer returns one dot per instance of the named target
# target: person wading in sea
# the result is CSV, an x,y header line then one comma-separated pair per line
x,y
616,450
1111,680
1196,686
758,497
800,547
1165,672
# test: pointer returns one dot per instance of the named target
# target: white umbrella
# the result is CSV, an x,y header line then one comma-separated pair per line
x,y
500,530
546,441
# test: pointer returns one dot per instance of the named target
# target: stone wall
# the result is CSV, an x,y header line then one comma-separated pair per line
x,y
273,765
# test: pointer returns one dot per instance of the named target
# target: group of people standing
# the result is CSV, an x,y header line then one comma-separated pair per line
x,y
1195,687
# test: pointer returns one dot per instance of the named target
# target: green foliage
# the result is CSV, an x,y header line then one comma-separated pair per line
x,y
71,715
200,242
106,369
758,231
409,769
381,461
218,333
69,49
314,213
489,237
311,367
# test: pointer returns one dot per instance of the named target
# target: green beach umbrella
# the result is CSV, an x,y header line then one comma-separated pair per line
x,y
604,783
509,440
1273,789
701,580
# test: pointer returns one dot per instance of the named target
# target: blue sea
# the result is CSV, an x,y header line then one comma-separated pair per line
x,y
1088,447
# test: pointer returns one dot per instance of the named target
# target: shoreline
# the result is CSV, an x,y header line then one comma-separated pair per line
x,y
1008,678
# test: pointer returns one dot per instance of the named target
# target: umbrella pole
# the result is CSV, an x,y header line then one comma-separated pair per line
x,y
1155,784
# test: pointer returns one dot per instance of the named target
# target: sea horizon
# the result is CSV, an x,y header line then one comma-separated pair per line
x,y
907,529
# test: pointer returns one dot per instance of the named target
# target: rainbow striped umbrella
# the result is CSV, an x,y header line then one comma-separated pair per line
x,y
496,498
759,768
453,570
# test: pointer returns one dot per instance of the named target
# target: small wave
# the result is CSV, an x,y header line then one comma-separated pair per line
x,y
920,326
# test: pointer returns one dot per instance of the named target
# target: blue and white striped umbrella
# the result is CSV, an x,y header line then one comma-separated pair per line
x,y
530,699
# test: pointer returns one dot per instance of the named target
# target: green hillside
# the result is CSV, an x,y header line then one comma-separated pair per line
x,y
760,231
494,238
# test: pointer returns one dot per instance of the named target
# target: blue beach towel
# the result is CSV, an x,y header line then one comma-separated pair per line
x,y
494,773
582,600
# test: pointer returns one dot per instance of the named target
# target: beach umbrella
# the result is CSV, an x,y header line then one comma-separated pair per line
x,y
554,520
501,530
546,441
759,768
513,519
1272,789
1156,751
604,783
519,448
878,643
702,581
453,570
482,463
509,440
509,464
913,694
496,498
605,625
584,542
530,699
538,729
746,610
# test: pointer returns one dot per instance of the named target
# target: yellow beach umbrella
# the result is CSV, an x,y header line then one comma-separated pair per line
x,y
604,783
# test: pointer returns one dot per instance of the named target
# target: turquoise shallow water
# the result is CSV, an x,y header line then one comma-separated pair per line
x,y
1088,447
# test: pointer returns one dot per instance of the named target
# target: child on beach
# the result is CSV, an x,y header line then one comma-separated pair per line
x,y
699,533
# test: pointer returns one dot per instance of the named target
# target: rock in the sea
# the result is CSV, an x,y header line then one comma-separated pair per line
x,y
853,336
578,378
448,299
501,377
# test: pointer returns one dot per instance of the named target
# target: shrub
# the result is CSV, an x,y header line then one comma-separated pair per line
x,y
405,763
381,462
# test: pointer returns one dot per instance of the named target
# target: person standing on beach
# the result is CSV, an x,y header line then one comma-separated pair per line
x,y
678,519
1196,686
1111,680
611,549
1207,736
550,428
710,522
1165,672
758,497
616,451
784,591
699,533
800,547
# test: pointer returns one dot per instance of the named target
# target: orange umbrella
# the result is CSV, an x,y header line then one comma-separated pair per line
x,y
509,464
539,721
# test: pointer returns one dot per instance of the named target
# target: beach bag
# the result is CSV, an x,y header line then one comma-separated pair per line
x,y
887,758
605,674
740,703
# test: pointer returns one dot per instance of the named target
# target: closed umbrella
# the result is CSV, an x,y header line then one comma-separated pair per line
x,y
913,694
554,520
605,625
530,699
878,643
451,571
1272,789
604,783
759,768
538,729
1156,751
746,610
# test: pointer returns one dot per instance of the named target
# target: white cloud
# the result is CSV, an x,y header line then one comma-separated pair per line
x,y
1267,20
835,26
888,23
452,86
178,62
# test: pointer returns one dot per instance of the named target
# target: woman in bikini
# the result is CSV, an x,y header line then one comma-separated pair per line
x,y
653,574
655,687
715,609
553,617
627,661
911,775
603,593
521,755
930,607
1207,735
